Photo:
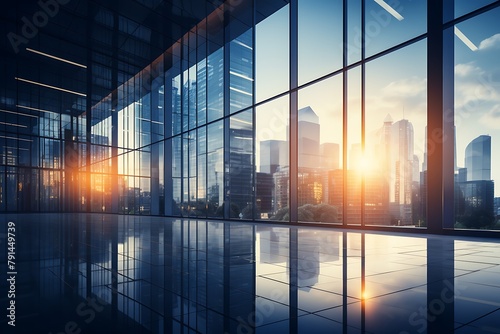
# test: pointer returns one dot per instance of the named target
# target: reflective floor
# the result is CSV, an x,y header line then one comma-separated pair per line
x,y
121,274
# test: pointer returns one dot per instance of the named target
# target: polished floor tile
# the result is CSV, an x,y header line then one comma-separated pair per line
x,y
120,274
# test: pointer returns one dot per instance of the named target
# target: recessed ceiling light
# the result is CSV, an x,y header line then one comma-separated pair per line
x,y
49,86
465,39
389,9
56,58
18,113
15,138
12,124
36,109
16,148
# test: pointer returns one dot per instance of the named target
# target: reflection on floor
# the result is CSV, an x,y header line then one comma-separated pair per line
x,y
122,274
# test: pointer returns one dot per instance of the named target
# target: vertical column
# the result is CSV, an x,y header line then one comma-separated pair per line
x,y
254,115
227,108
435,133
167,148
71,154
344,113
363,102
87,187
155,147
293,133
88,115
449,148
114,119
114,157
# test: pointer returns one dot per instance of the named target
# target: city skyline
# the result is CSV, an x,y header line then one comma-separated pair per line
x,y
389,156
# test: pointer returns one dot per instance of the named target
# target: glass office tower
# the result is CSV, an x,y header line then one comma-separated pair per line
x,y
348,113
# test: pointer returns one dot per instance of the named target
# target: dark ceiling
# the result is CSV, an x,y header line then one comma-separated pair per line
x,y
108,41
124,35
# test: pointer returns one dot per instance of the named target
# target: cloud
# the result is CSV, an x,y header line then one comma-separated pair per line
x,y
474,86
490,42
407,87
463,70
491,119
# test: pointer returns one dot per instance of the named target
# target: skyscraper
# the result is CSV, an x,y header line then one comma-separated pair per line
x,y
398,140
329,155
273,153
478,159
308,138
474,197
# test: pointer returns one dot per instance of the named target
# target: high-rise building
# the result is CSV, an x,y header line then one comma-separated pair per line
x,y
329,153
240,174
264,190
402,171
308,138
385,154
281,188
376,204
329,161
474,203
478,159
400,168
273,154
496,206
474,189
310,186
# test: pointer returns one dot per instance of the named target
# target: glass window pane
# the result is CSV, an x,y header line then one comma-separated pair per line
x,y
215,85
176,105
353,31
201,87
388,23
192,95
241,166
320,133
215,169
202,172
272,152
191,176
176,175
352,176
320,38
396,109
477,121
241,72
272,55
463,7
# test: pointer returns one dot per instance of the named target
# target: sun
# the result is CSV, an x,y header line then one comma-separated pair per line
x,y
365,165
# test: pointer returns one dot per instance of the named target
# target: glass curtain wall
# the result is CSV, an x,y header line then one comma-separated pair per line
x,y
308,110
